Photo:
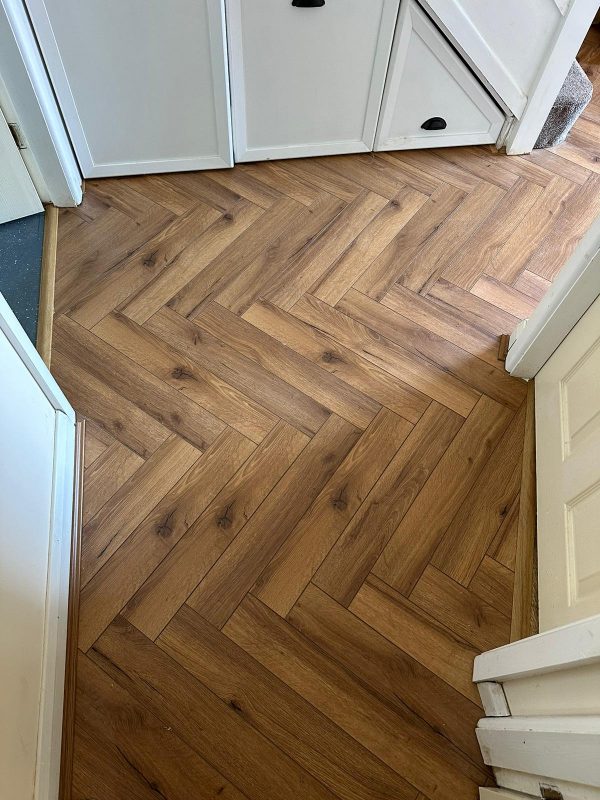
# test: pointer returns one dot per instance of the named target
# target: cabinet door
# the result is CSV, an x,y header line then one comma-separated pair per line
x,y
431,98
142,84
307,81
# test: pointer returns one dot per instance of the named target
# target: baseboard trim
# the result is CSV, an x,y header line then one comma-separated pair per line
x,y
68,726
525,609
48,278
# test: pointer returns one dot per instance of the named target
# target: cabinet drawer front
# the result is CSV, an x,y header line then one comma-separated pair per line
x,y
431,98
307,81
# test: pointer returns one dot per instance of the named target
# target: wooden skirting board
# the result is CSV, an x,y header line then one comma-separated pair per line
x,y
68,728
525,614
46,303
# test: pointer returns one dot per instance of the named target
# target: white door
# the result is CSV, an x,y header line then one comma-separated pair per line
x,y
307,80
567,391
18,197
142,84
432,99
37,447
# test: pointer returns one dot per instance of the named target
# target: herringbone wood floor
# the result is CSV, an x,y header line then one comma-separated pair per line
x,y
303,463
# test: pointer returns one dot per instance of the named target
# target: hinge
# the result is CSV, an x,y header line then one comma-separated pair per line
x,y
17,135
550,792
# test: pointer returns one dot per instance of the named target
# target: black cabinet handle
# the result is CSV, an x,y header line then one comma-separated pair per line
x,y
308,3
434,124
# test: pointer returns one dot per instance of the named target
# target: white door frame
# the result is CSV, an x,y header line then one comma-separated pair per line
x,y
59,560
573,292
577,18
27,98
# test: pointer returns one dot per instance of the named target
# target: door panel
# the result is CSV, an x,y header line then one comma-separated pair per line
x,y
568,476
18,197
428,80
142,84
307,81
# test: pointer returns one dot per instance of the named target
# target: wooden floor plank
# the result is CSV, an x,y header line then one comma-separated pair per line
x,y
207,538
341,697
303,466
158,530
223,588
279,713
412,544
288,573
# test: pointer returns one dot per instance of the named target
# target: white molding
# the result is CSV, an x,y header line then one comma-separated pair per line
x,y
493,699
576,21
501,794
301,151
572,293
564,748
57,176
572,645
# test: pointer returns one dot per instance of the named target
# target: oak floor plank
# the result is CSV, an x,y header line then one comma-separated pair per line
x,y
466,306
352,557
154,397
214,729
483,249
397,740
440,168
450,358
487,169
112,412
504,544
387,670
183,567
440,250
197,257
314,261
135,272
234,574
474,620
221,270
368,245
135,735
115,521
493,582
108,472
285,363
412,544
505,297
287,574
427,641
418,372
385,270
144,545
283,716
474,527
322,349
189,377
262,386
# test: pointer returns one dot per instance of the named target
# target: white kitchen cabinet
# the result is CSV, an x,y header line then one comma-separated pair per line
x,y
307,81
431,98
142,84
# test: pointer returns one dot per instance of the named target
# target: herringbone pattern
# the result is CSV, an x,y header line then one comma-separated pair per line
x,y
303,464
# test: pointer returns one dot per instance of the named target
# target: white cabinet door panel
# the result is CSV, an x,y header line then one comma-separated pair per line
x,y
307,81
427,79
567,393
142,84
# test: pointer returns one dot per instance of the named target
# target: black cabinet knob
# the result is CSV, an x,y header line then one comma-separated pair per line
x,y
308,3
434,124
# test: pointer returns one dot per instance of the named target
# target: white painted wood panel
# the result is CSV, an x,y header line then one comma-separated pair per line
x,y
18,197
37,431
567,692
307,81
568,476
143,85
426,78
506,41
